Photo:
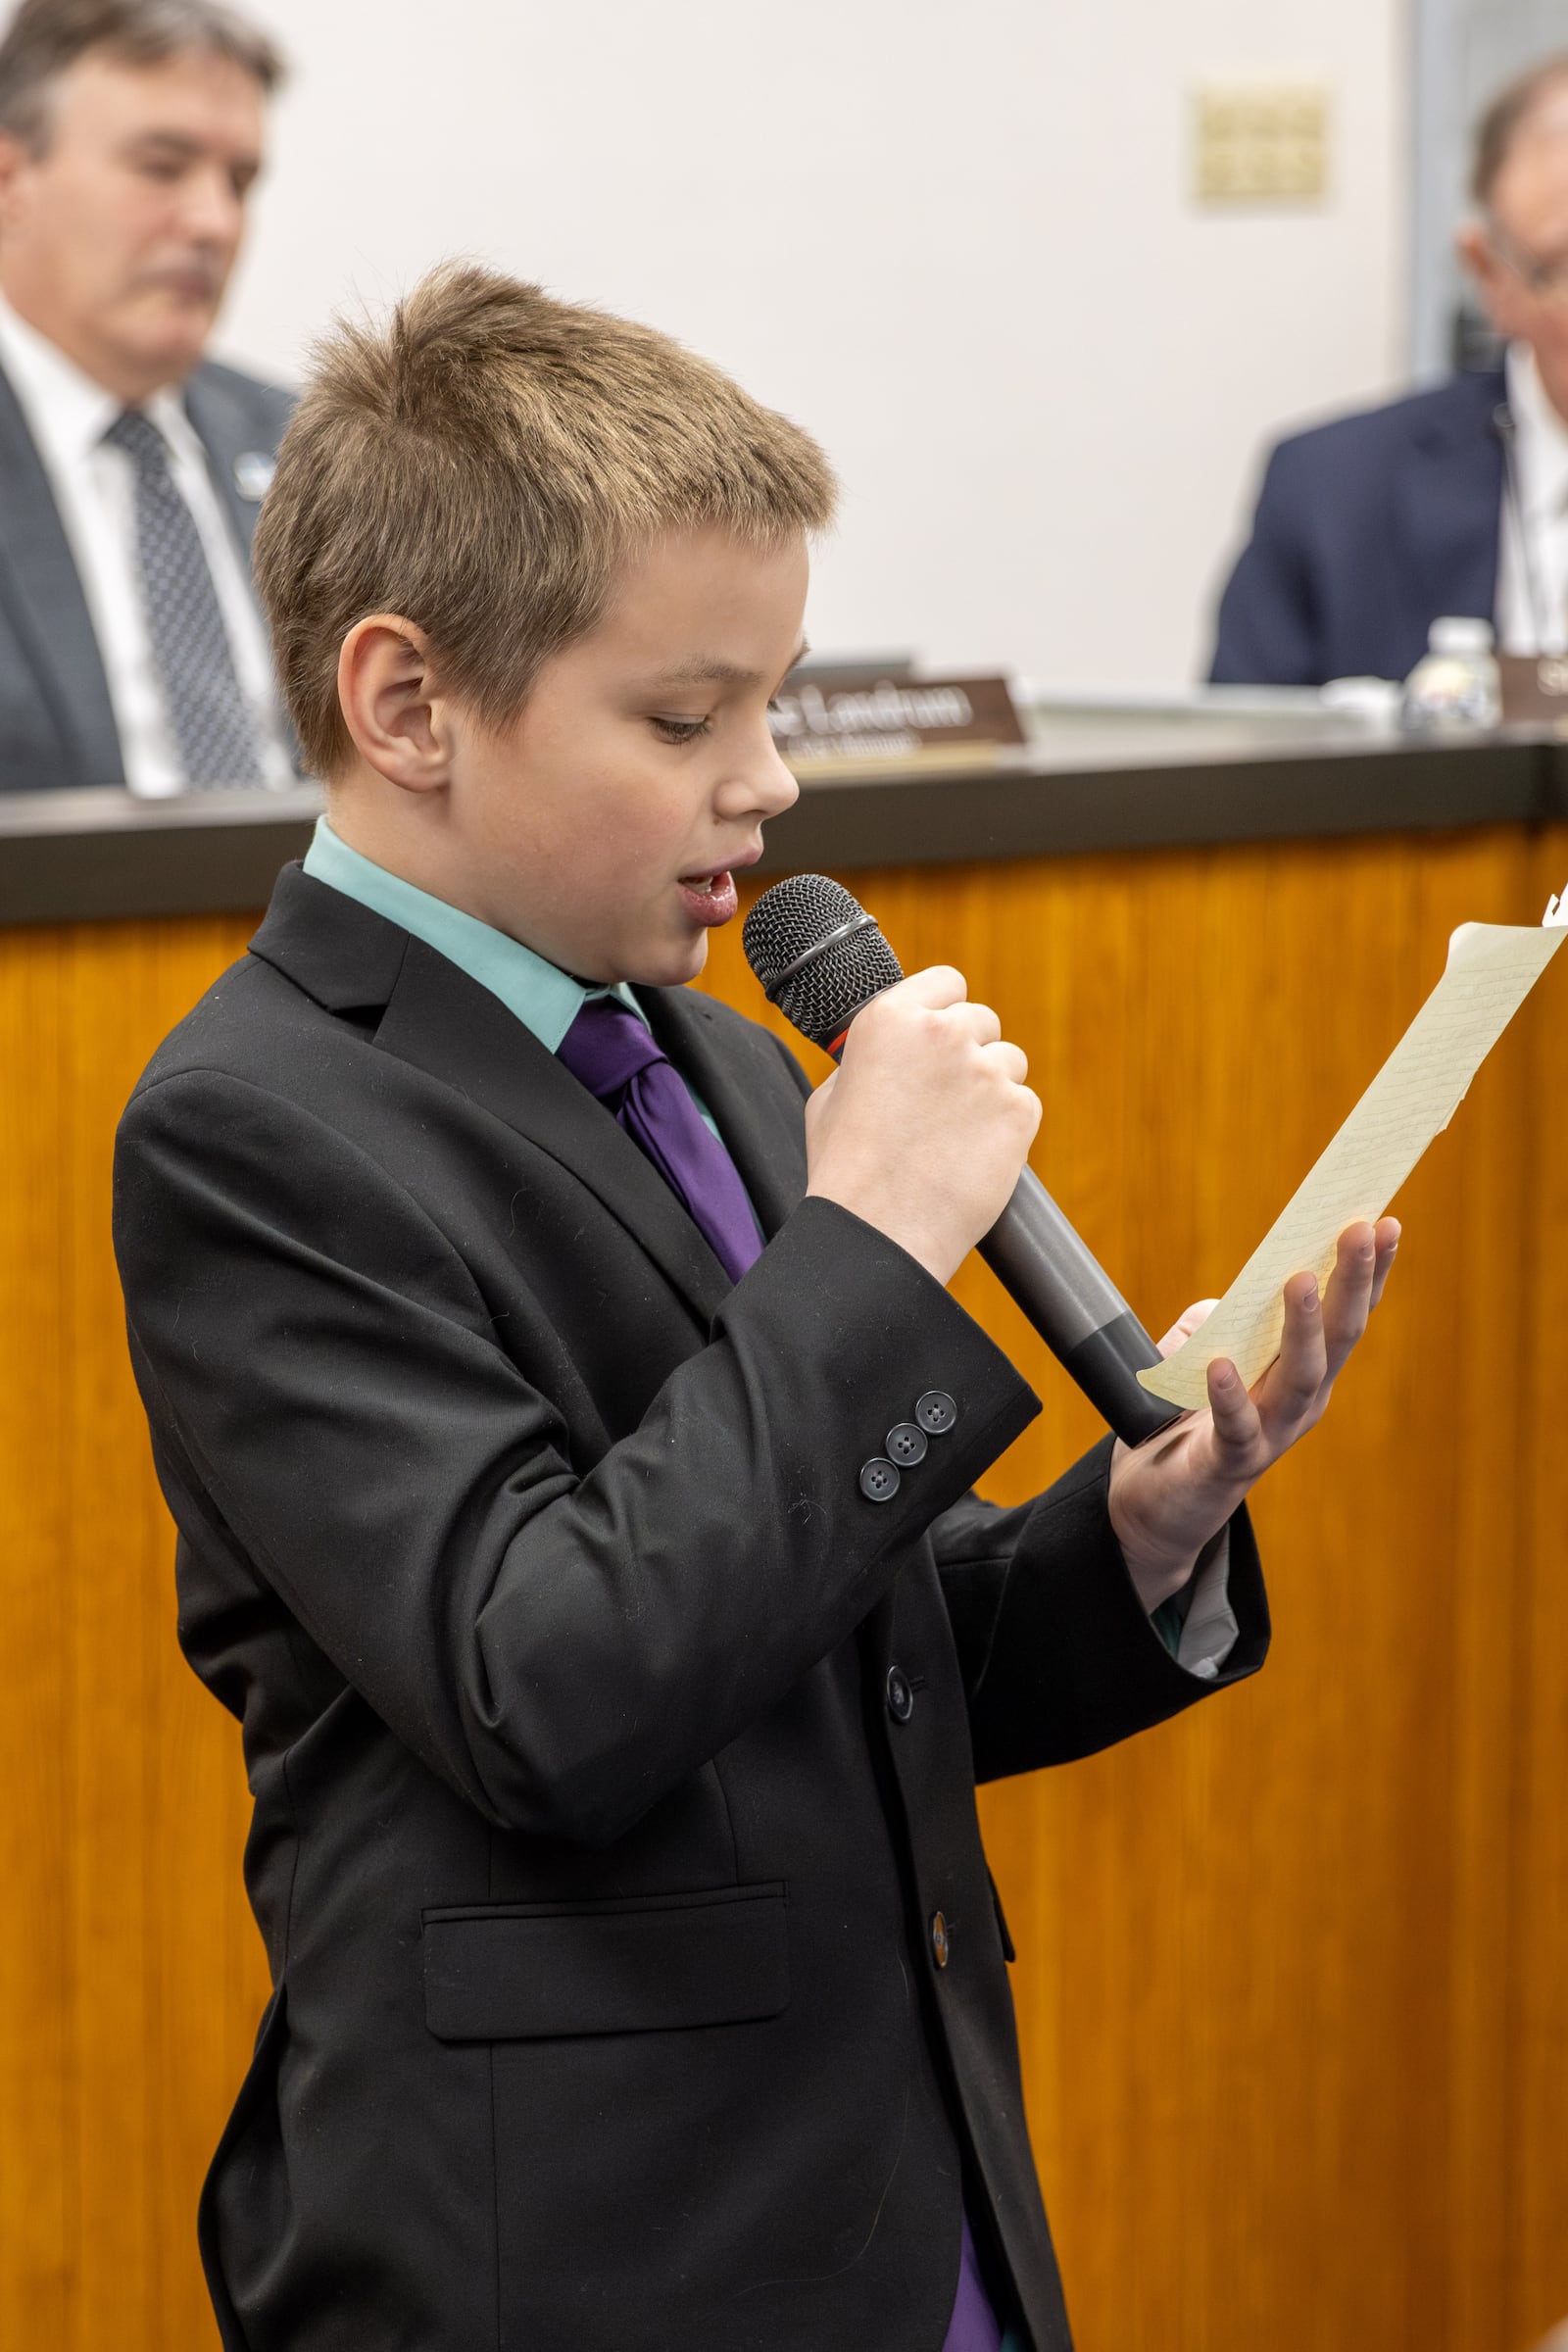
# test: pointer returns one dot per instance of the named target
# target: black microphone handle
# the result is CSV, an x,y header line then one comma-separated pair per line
x,y
1032,1249
1077,1310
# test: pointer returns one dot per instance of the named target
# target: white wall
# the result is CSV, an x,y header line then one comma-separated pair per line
x,y
956,240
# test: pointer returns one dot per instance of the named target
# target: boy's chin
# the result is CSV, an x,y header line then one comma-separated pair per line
x,y
673,961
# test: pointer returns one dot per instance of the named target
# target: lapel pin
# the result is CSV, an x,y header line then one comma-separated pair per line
x,y
253,473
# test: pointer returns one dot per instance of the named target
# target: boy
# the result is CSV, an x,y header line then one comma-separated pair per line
x,y
638,1980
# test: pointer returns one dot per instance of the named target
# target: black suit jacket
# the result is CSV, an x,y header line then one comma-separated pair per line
x,y
56,725
596,1871
1367,530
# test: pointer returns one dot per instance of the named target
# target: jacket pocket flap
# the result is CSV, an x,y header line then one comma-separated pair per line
x,y
523,1972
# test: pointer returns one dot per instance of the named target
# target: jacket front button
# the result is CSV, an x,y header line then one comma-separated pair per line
x,y
938,1940
879,1481
900,1698
936,1412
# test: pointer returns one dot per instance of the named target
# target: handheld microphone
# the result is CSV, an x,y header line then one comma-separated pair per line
x,y
821,958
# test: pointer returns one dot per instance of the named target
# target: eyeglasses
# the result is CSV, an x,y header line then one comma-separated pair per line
x,y
1546,277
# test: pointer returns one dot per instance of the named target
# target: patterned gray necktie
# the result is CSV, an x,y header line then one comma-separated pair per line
x,y
213,729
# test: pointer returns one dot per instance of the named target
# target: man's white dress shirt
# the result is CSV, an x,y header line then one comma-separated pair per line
x,y
94,489
1534,623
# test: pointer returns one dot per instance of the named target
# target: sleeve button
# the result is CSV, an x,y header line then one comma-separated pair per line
x,y
936,1412
906,1444
879,1481
900,1697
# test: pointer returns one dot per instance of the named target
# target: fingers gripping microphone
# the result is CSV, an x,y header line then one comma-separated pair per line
x,y
821,958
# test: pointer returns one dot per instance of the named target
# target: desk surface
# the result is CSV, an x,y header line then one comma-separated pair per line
x,y
1088,780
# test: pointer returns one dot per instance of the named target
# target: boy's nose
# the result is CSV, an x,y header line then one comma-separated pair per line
x,y
772,786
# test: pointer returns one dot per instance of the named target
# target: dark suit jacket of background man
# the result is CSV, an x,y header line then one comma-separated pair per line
x,y
595,1856
57,724
1367,530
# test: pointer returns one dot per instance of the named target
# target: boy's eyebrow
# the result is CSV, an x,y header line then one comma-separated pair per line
x,y
707,669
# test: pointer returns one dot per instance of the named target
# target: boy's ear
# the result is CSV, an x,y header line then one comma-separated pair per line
x,y
392,706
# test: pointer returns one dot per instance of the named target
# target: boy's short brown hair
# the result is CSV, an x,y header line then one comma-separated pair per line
x,y
484,466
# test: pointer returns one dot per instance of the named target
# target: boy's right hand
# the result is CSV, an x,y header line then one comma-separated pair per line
x,y
924,1128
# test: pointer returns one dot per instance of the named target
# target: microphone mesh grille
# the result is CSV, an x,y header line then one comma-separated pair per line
x,y
823,997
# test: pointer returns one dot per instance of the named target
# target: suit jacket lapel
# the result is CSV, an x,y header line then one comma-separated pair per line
x,y
43,595
1451,496
446,1024
736,1071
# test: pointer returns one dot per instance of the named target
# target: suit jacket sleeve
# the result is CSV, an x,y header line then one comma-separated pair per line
x,y
1058,1653
1057,1650
1268,628
563,1640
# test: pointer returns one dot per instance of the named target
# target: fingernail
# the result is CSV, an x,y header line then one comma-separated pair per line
x,y
1309,1303
1224,1376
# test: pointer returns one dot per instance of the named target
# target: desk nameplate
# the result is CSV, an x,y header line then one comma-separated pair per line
x,y
1535,690
893,721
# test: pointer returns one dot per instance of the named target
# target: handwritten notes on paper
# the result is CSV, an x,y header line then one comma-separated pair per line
x,y
1492,968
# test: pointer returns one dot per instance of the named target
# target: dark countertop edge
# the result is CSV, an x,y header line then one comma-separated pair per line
x,y
94,856
995,813
103,857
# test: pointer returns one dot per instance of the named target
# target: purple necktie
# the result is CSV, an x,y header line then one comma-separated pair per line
x,y
973,2326
617,1057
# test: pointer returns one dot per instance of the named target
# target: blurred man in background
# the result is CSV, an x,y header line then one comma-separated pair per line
x,y
131,648
1455,501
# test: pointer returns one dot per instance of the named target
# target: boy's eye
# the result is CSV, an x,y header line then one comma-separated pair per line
x,y
680,730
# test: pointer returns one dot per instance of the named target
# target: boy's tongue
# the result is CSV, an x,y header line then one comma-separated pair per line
x,y
709,897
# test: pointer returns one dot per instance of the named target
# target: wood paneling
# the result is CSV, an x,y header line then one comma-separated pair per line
x,y
1291,1970
1537,2078
131,1973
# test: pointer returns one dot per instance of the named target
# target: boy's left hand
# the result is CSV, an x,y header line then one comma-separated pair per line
x,y
1178,1489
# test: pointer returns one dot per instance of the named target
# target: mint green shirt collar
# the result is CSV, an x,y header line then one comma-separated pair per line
x,y
544,999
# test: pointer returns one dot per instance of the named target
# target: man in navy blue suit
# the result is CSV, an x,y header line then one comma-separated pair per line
x,y
1453,501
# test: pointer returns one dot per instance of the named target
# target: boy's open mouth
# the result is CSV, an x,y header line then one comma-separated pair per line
x,y
709,897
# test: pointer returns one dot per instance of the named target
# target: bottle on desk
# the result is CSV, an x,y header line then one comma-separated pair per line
x,y
1455,688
